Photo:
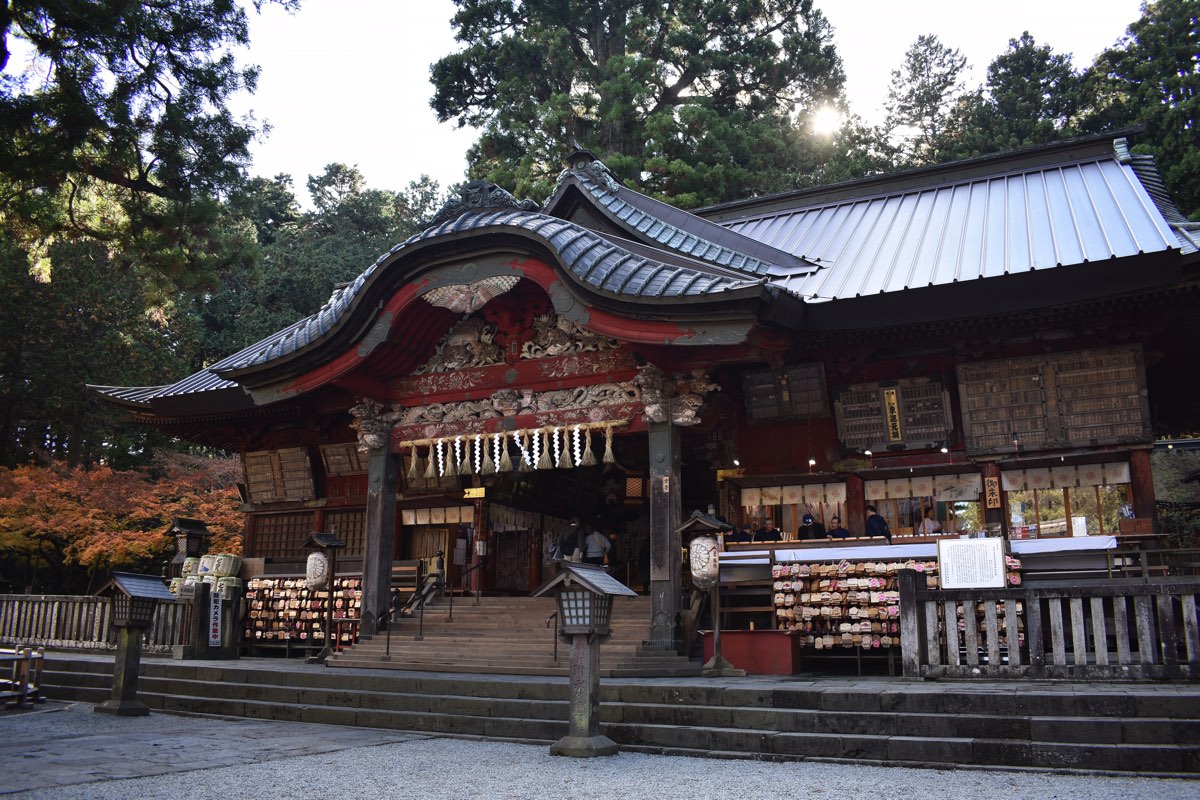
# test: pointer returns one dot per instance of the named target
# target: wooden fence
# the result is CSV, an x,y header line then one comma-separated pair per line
x,y
83,623
1115,629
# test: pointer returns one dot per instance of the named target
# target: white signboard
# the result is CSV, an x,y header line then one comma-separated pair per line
x,y
214,617
971,563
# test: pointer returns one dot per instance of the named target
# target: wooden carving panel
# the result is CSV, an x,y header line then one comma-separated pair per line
x,y
1081,398
912,413
344,459
797,390
276,475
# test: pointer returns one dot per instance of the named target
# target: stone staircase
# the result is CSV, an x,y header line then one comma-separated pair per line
x,y
1113,728
512,636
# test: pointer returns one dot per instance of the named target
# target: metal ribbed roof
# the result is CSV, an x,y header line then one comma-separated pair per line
x,y
1032,219
605,264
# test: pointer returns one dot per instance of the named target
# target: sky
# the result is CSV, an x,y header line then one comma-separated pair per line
x,y
348,80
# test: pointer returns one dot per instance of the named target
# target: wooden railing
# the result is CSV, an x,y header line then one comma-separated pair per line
x,y
83,623
1130,629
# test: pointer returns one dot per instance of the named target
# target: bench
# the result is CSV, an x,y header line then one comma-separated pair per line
x,y
21,677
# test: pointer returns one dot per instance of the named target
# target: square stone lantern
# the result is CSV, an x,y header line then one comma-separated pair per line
x,y
585,595
134,600
191,541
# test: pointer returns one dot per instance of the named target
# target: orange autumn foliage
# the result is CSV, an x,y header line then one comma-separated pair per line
x,y
103,519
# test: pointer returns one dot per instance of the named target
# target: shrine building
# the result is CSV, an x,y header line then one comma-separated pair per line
x,y
998,340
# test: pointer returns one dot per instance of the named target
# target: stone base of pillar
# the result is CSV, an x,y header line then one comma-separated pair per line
x,y
718,667
123,708
584,747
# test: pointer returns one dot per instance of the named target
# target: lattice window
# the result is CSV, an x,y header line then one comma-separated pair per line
x,y
796,391
350,526
913,413
280,535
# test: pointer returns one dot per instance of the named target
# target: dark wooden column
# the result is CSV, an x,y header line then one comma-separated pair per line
x,y
855,515
1141,486
483,533
666,571
380,531
993,516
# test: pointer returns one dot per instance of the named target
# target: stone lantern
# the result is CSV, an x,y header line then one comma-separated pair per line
x,y
134,600
191,541
585,595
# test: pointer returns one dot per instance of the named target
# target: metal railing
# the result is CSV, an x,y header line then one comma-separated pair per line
x,y
83,623
1120,628
554,618
462,582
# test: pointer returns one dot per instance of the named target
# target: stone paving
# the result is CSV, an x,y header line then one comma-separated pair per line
x,y
61,744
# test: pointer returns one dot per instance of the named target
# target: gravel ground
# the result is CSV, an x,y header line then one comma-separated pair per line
x,y
412,766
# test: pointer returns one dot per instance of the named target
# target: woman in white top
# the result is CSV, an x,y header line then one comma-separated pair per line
x,y
930,524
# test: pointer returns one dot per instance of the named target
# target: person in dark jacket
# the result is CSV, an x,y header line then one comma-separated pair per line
x,y
877,525
837,531
571,541
810,529
768,532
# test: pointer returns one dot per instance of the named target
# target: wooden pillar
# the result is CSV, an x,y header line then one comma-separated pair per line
x,y
1141,486
855,515
666,570
993,516
382,468
482,534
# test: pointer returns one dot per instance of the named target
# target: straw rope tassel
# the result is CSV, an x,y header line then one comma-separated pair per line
x,y
588,459
525,464
464,463
505,462
431,467
609,458
412,463
564,453
544,462
489,466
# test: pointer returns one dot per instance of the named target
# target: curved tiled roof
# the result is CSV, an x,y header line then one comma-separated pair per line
x,y
606,264
684,233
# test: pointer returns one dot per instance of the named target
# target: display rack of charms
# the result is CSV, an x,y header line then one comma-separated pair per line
x,y
846,604
282,611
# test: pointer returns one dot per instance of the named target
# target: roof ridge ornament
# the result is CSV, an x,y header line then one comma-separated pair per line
x,y
478,196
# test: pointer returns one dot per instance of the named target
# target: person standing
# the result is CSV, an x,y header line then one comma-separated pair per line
x,y
877,525
571,541
596,547
930,524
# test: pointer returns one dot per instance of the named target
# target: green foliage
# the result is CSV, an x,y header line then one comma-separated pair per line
x,y
922,92
303,256
1152,78
96,322
1032,97
1178,499
113,126
687,100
